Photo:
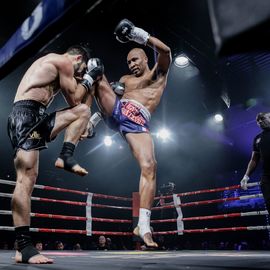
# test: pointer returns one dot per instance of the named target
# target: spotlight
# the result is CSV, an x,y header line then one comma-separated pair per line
x,y
107,141
218,118
181,61
163,134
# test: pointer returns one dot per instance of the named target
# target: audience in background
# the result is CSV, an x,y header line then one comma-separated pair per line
x,y
165,243
39,246
59,245
77,247
102,243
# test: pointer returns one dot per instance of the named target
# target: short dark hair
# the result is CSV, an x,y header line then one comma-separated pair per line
x,y
80,49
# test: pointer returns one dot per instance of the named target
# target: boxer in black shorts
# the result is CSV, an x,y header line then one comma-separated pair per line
x,y
30,128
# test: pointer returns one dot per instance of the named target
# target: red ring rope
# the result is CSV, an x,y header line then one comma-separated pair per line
x,y
69,191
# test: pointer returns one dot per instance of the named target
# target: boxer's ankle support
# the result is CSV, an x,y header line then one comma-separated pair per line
x,y
67,156
24,242
143,229
28,252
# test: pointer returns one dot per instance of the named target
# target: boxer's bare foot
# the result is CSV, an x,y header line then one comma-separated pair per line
x,y
77,169
147,238
36,259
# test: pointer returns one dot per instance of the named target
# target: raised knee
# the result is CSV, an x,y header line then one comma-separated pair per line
x,y
83,110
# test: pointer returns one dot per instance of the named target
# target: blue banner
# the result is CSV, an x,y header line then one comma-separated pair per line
x,y
46,13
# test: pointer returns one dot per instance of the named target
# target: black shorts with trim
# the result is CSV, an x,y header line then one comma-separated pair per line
x,y
29,127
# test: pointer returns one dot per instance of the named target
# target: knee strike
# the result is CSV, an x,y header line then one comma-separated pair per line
x,y
83,111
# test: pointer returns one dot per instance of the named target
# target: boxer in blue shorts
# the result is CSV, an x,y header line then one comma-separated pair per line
x,y
129,116
138,96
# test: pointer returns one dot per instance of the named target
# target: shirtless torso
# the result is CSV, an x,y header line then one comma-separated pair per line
x,y
147,89
47,76
40,82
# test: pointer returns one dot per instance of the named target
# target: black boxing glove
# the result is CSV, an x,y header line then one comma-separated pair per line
x,y
118,88
95,70
126,31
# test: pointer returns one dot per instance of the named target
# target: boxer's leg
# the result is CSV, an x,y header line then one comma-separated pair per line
x,y
26,165
75,121
105,96
142,147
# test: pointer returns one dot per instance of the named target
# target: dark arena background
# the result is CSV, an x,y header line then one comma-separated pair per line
x,y
203,131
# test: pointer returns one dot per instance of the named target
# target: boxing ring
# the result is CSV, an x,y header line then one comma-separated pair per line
x,y
134,260
141,259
